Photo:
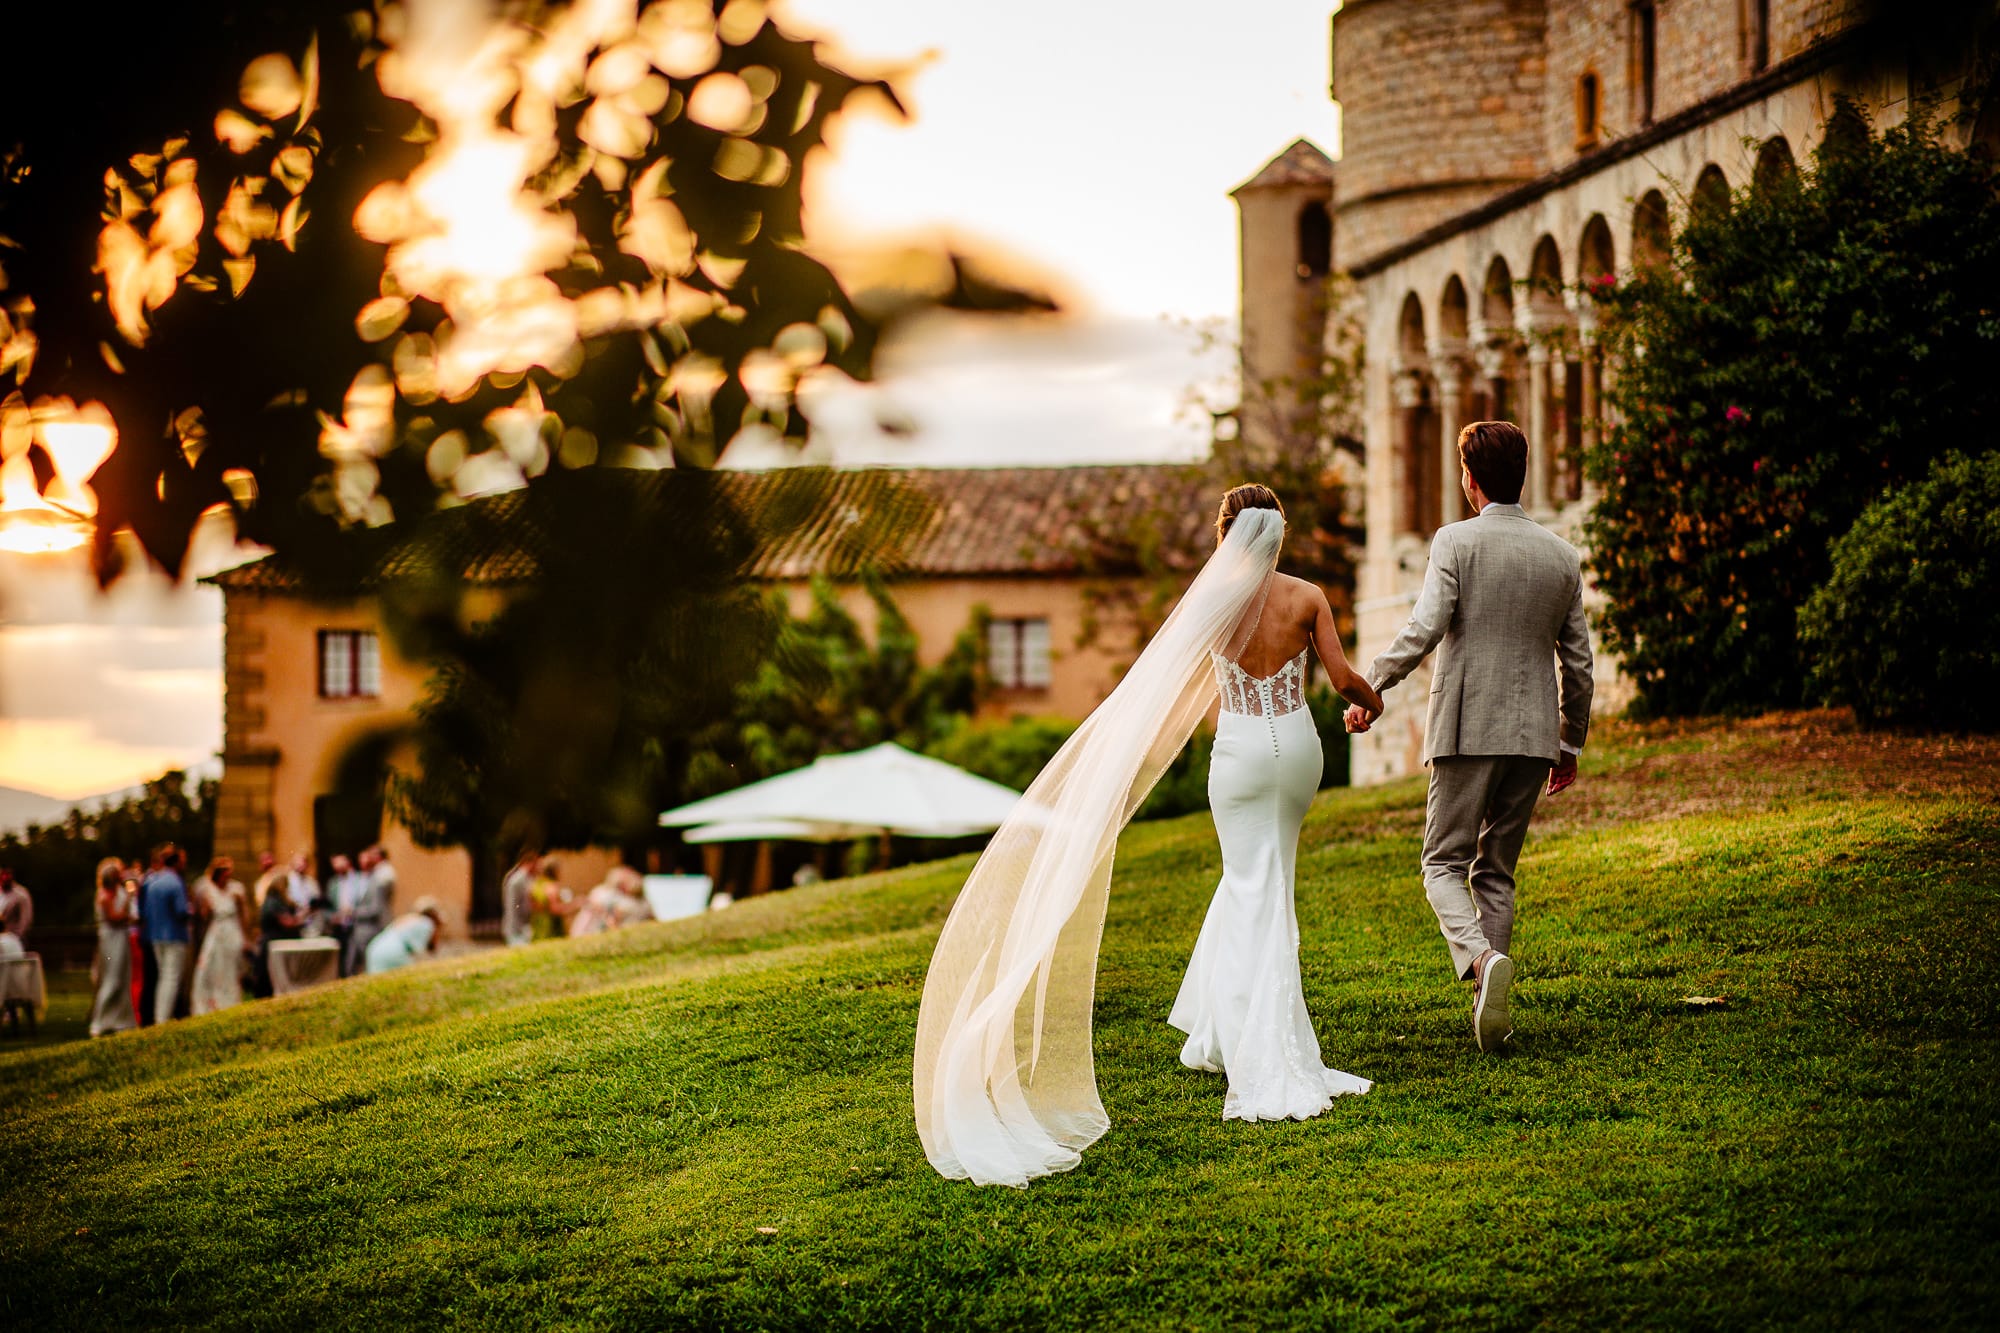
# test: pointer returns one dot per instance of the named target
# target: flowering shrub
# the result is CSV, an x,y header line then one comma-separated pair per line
x,y
1821,340
1907,629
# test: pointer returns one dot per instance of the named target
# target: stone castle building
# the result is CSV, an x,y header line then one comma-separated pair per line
x,y
1498,155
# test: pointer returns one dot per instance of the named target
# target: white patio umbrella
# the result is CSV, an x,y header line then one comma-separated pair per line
x,y
883,789
795,830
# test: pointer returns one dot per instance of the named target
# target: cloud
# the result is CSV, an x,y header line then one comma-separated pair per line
x,y
67,758
987,392
102,690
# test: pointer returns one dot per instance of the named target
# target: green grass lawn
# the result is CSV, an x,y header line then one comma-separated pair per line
x,y
706,1124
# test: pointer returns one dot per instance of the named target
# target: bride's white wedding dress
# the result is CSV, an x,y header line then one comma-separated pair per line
x,y
1003,1082
1242,1003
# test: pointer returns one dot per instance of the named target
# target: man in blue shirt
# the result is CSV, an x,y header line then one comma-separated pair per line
x,y
164,907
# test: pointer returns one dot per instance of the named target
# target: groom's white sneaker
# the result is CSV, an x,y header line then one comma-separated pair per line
x,y
1491,1026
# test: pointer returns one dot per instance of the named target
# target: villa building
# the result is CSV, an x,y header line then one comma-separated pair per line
x,y
1067,561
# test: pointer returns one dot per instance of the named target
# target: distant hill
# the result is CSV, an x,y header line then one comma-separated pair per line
x,y
20,808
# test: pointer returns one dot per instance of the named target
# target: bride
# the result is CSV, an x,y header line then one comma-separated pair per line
x,y
1004,1083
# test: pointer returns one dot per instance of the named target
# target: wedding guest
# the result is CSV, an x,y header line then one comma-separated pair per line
x,y
269,873
551,904
144,972
406,938
111,1009
166,929
631,906
300,886
517,893
17,906
225,905
372,904
276,920
348,884
598,913
375,862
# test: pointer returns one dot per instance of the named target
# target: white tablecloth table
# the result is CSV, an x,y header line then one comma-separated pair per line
x,y
22,987
299,964
674,896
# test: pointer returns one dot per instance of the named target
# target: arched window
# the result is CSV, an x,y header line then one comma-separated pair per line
x,y
1410,332
1545,280
1756,35
1711,192
1315,241
1775,167
1596,256
1652,230
1496,305
1589,98
1454,311
1496,312
1645,59
1417,412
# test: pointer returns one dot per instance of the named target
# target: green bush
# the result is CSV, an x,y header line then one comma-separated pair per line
x,y
1010,752
1328,709
1907,630
1801,350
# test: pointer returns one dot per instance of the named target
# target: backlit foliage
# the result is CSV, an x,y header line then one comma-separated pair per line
x,y
340,267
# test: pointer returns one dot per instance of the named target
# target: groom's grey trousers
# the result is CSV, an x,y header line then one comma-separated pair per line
x,y
1502,603
1474,823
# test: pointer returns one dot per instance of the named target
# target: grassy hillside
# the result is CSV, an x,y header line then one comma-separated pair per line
x,y
706,1124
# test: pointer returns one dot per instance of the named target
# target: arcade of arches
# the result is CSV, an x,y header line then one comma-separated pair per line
x,y
1525,349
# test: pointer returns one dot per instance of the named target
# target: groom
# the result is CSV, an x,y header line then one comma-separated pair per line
x,y
1509,707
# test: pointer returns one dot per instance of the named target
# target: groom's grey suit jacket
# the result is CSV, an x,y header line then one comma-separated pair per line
x,y
1504,596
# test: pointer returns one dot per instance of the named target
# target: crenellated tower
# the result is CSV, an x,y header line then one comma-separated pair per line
x,y
1441,110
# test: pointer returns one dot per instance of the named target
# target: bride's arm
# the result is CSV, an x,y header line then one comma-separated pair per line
x,y
1346,681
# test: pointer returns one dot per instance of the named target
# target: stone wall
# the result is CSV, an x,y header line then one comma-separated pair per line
x,y
1441,108
1589,38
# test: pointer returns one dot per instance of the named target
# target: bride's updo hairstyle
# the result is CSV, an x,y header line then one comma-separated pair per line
x,y
1239,498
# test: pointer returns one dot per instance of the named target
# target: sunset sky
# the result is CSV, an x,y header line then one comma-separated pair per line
x,y
1094,143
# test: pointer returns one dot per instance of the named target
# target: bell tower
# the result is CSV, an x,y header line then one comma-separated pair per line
x,y
1286,213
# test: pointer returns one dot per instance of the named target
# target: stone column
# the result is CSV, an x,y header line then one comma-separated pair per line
x,y
1409,391
1541,430
1449,368
1496,357
1593,398
1561,428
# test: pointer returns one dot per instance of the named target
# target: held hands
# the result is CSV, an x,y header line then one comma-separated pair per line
x,y
1359,719
1563,774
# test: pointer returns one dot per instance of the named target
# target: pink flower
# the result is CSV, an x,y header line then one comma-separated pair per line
x,y
1735,414
1757,466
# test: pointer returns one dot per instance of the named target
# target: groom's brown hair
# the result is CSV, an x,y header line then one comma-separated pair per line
x,y
1496,454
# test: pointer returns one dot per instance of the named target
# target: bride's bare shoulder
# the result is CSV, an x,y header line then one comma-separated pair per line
x,y
1302,591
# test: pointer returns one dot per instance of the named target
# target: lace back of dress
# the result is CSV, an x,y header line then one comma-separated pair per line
x,y
1282,692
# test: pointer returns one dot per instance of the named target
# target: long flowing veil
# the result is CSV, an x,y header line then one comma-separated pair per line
x,y
1005,1088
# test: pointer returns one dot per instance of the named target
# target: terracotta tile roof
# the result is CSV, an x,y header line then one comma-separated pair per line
x,y
1301,164
1000,521
948,523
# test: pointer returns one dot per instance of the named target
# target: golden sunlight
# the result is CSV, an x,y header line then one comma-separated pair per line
x,y
76,439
